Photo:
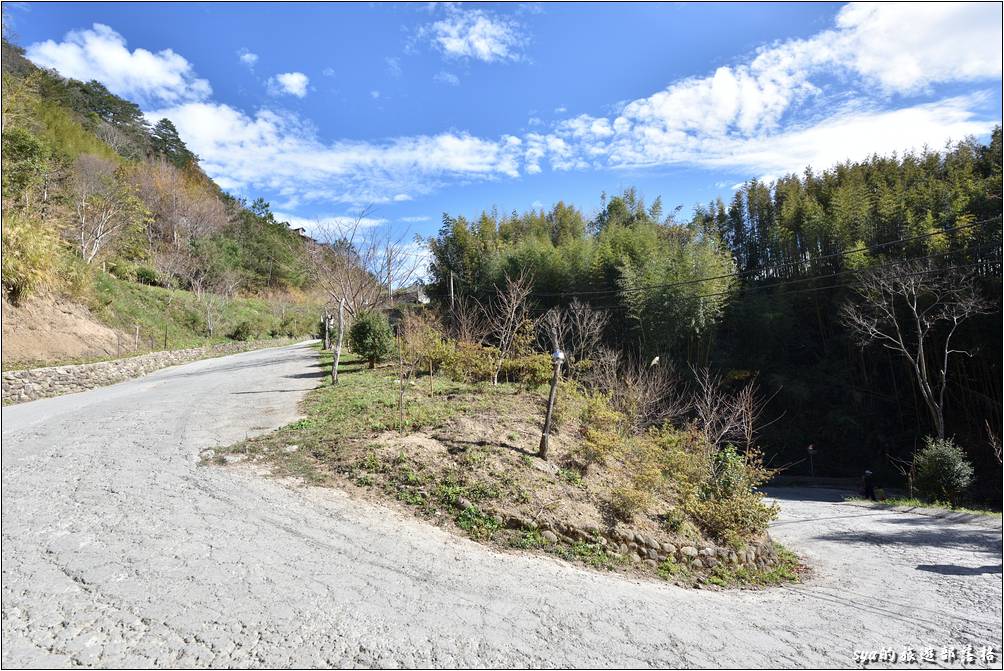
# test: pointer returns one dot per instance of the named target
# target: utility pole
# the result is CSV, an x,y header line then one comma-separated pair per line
x,y
558,358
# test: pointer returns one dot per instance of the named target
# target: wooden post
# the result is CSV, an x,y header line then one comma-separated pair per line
x,y
400,398
135,339
432,385
542,450
338,343
165,337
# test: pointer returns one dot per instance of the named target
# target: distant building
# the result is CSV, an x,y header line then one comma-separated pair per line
x,y
413,295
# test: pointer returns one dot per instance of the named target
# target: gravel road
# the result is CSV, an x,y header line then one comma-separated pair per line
x,y
119,549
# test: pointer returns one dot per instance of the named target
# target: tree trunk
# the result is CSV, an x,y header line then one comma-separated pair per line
x,y
338,342
327,331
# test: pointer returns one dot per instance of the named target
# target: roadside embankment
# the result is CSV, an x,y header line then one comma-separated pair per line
x,y
33,383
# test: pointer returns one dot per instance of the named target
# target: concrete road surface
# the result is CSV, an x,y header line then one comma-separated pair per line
x,y
118,549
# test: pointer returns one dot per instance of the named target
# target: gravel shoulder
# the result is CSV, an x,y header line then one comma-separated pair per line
x,y
120,549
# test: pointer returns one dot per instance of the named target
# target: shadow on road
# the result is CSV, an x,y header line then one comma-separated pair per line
x,y
951,569
938,536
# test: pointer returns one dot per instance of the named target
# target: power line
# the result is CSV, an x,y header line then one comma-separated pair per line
x,y
600,292
838,285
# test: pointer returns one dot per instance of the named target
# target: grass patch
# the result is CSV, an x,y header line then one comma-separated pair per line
x,y
918,503
787,569
465,458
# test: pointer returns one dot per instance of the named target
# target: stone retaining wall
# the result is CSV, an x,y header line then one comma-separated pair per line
x,y
638,547
27,385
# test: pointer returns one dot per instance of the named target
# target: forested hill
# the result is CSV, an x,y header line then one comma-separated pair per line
x,y
89,184
754,287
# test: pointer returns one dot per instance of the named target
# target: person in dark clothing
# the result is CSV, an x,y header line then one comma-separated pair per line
x,y
869,486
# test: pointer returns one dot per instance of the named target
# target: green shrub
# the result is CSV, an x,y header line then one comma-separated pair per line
x,y
469,362
370,337
601,430
628,501
31,256
942,471
243,331
733,519
147,275
726,504
532,370
122,270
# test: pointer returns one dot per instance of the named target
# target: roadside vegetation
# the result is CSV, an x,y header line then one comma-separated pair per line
x,y
908,502
103,209
436,430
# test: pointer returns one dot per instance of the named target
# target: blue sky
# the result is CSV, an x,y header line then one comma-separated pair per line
x,y
424,109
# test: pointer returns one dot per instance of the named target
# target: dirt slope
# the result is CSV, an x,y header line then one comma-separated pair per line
x,y
47,329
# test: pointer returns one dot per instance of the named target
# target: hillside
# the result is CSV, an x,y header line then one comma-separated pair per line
x,y
115,240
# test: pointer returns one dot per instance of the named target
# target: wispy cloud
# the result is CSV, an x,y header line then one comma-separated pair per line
x,y
281,152
393,66
447,78
476,34
332,224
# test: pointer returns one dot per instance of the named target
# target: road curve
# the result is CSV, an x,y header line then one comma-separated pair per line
x,y
119,550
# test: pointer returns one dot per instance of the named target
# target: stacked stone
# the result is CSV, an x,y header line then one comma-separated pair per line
x,y
27,385
642,548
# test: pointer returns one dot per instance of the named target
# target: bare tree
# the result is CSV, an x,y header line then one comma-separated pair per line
x,y
358,265
728,417
103,206
470,322
915,309
995,443
905,468
585,329
181,209
650,394
577,330
506,313
553,326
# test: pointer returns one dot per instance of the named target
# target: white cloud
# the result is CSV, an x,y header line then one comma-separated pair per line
x,y
375,94
281,153
415,219
328,224
907,46
851,135
293,83
748,115
447,78
474,33
101,53
328,72
393,66
248,58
